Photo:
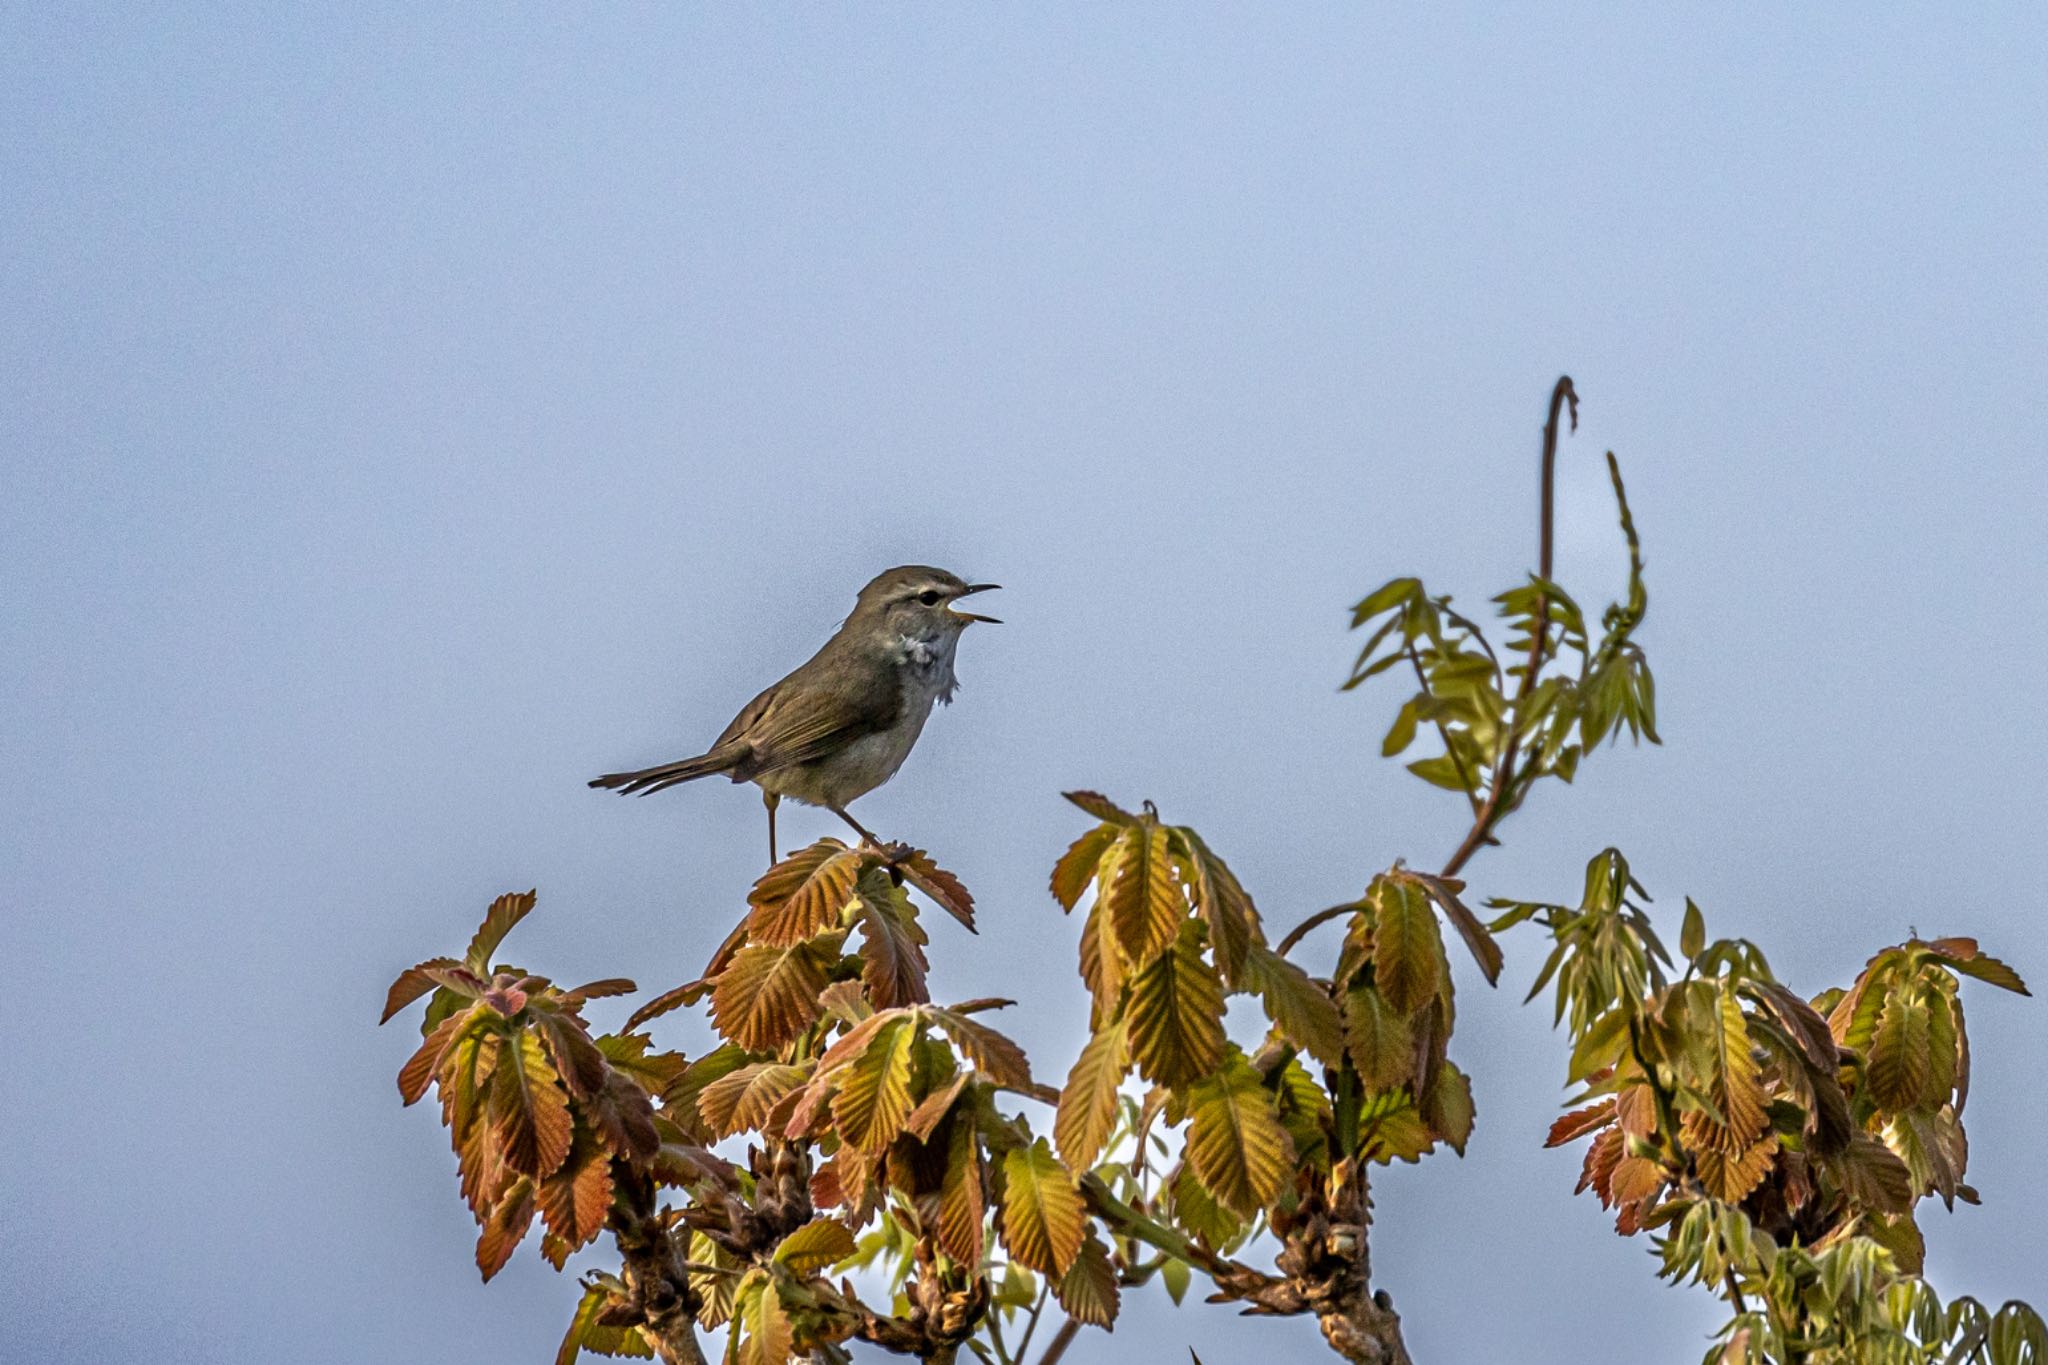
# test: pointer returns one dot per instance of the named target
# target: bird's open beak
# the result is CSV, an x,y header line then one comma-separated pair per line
x,y
970,589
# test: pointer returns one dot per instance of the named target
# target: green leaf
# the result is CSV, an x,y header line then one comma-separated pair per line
x,y
1087,1109
1402,733
1043,1216
874,1101
1901,1065
1299,1006
1407,947
506,911
1101,807
1447,1107
1692,938
1175,1274
1175,1015
1379,1039
1383,598
1143,900
817,1244
1078,865
1088,1291
1236,1144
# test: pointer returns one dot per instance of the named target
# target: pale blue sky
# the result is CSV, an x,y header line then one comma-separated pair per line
x,y
408,413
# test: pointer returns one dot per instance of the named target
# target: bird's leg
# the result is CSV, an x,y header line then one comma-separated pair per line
x,y
771,801
866,837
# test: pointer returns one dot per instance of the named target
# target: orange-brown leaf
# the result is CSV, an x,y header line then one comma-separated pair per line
x,y
1077,866
1580,1122
803,895
504,1227
940,886
575,1199
740,1101
528,1108
1730,1177
892,945
767,996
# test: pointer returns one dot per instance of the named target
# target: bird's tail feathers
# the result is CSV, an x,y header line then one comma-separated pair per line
x,y
722,759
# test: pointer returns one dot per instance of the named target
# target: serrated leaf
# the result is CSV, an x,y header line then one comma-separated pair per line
x,y
960,1199
504,1227
1736,1092
1478,940
1235,1143
1980,965
419,1070
506,911
1378,1038
1195,1209
1580,1122
762,1325
741,1101
1077,866
528,1108
576,1197
1224,905
1043,1216
892,944
1448,1109
1088,1291
1145,905
873,1100
941,887
805,894
1175,1016
1901,1064
990,1052
1730,1177
767,996
1101,807
1873,1176
817,1244
1087,1109
588,1333
416,981
1299,1006
934,1107
1407,947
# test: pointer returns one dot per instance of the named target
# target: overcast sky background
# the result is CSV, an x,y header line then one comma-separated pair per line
x,y
407,414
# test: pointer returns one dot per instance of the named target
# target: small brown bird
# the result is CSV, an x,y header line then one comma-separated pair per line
x,y
843,722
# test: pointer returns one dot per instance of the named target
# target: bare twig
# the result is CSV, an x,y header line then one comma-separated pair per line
x,y
1497,803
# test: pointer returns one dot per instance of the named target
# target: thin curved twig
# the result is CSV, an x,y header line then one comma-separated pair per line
x,y
1561,396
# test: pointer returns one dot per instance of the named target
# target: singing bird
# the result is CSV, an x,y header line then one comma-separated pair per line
x,y
843,722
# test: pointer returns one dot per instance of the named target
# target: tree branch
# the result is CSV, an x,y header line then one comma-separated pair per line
x,y
1497,803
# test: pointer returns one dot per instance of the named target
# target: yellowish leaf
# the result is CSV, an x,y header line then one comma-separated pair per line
x,y
1235,1143
1043,1216
1088,1100
1175,1015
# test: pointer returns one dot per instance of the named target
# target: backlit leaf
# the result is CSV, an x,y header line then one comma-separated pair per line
x,y
1224,903
768,995
1101,807
1077,866
765,1334
1901,1053
1730,1177
804,895
1175,1016
1962,955
990,1052
505,911
1736,1091
817,1244
1407,947
1144,902
415,982
1447,1107
575,1198
1043,1216
1378,1038
1580,1122
419,1070
1485,951
528,1108
588,1333
1198,1211
960,1199
940,886
1299,1006
1235,1142
874,1097
1087,1107
892,944
742,1100
1088,1291
504,1227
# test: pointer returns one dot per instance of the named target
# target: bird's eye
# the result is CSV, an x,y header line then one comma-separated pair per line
x,y
930,597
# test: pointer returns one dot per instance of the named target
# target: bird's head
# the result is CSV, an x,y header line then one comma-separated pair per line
x,y
917,602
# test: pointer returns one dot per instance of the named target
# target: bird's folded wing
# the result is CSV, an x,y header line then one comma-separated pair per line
x,y
792,724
